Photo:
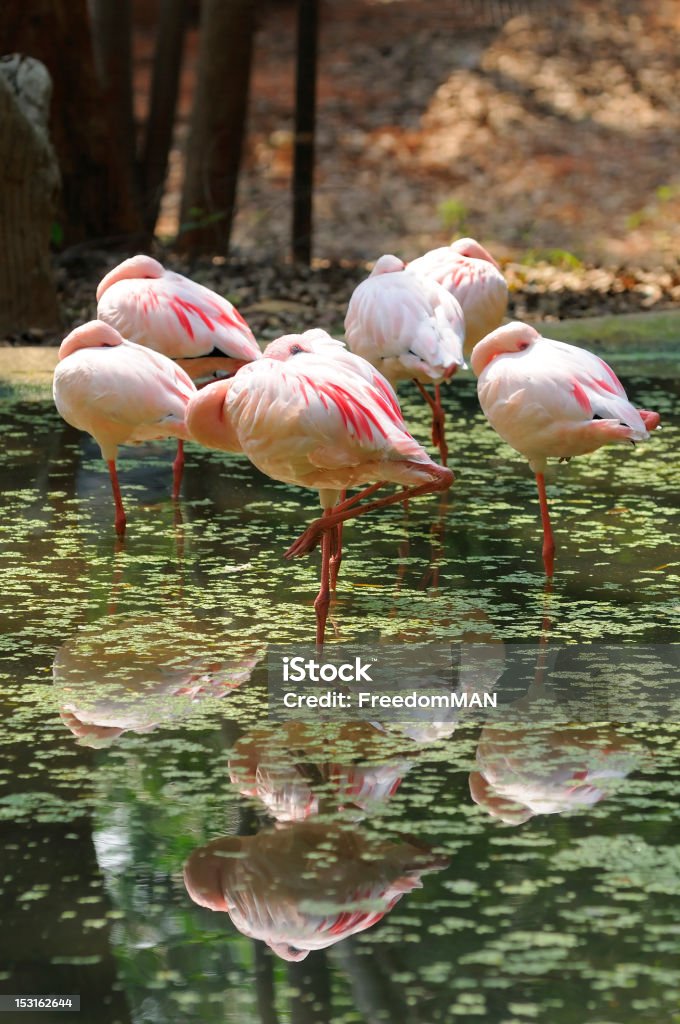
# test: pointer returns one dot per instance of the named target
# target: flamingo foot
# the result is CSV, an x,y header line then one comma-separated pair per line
x,y
307,541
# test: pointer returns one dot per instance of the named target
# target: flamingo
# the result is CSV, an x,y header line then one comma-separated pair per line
x,y
297,772
409,327
131,673
274,885
535,769
473,277
173,315
548,399
313,414
120,393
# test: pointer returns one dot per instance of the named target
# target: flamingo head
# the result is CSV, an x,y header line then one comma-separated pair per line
x,y
474,250
505,340
203,875
388,265
87,733
315,341
95,334
133,269
207,418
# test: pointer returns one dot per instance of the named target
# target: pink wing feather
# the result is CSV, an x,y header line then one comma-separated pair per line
x,y
308,420
177,317
406,326
478,285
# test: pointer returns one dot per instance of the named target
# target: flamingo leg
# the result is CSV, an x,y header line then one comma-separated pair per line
x,y
438,420
336,552
348,502
548,539
346,510
115,487
178,470
323,598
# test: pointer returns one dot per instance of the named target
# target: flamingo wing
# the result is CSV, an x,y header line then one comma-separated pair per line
x,y
406,326
477,284
178,317
588,388
124,393
300,418
556,400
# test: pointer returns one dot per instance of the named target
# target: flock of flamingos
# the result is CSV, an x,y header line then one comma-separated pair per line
x,y
316,412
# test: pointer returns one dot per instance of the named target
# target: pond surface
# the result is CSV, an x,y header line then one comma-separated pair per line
x,y
171,855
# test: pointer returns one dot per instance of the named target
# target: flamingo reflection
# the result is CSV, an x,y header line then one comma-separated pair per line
x,y
131,673
297,771
305,886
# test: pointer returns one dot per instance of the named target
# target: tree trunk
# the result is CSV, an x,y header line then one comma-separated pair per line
x,y
217,125
112,45
161,119
305,118
29,183
97,192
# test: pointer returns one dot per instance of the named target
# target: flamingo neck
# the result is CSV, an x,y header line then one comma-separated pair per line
x,y
95,334
208,421
136,267
485,351
506,340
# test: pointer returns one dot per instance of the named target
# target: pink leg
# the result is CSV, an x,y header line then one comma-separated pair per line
x,y
336,547
443,478
115,487
323,598
336,556
178,470
548,540
438,434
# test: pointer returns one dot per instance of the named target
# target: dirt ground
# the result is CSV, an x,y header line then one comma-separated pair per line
x,y
548,131
534,126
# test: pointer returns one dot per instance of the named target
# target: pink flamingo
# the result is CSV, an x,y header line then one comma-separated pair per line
x,y
173,315
409,327
313,414
297,772
120,393
471,274
274,884
552,400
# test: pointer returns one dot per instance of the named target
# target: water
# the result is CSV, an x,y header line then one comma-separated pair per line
x,y
135,742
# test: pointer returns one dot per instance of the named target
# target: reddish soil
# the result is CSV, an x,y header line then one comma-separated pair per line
x,y
532,126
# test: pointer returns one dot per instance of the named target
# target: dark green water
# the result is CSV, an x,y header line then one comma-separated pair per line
x,y
133,691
